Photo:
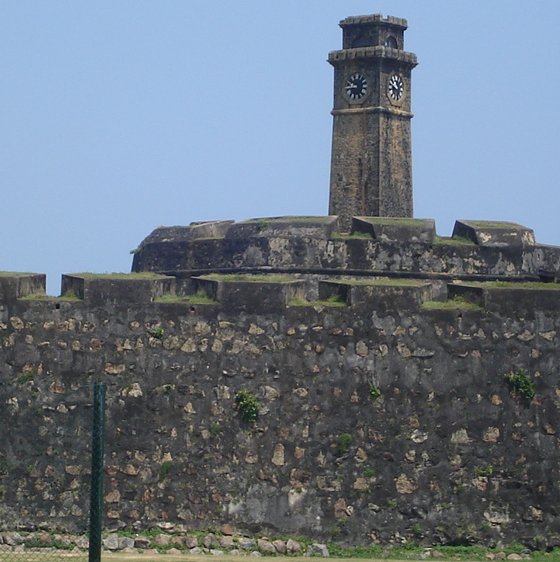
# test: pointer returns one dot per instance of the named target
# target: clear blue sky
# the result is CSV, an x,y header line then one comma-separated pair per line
x,y
117,116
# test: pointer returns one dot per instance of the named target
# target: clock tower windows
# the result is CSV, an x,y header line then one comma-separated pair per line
x,y
391,42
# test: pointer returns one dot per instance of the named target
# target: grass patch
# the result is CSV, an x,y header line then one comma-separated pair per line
x,y
215,429
26,377
248,278
525,285
291,219
374,391
156,332
457,303
352,236
338,553
484,471
343,442
384,282
397,221
453,241
332,301
69,296
66,297
494,224
15,274
248,406
200,297
520,384
117,275
164,470
36,297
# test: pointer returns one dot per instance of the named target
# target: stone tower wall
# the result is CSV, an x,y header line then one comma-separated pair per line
x,y
371,143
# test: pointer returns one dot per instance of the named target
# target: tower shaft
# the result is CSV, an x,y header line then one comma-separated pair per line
x,y
371,163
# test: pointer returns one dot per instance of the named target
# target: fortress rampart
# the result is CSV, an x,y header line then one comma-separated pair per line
x,y
351,378
313,245
385,410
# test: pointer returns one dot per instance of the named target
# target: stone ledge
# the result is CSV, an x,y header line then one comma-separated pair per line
x,y
241,293
373,18
126,288
378,294
373,52
284,227
194,231
396,229
376,244
491,233
518,297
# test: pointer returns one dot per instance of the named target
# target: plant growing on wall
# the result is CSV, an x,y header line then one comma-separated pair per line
x,y
164,470
247,406
374,391
520,384
343,443
484,471
156,332
215,429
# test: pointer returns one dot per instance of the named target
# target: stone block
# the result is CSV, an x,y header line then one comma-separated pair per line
x,y
377,294
522,300
101,289
111,542
208,229
508,298
334,290
471,293
318,549
241,293
403,230
313,244
18,285
492,233
391,294
285,227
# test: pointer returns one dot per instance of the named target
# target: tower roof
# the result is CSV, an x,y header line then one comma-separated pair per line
x,y
374,19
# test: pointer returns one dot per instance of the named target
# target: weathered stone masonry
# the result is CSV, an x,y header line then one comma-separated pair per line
x,y
445,453
377,352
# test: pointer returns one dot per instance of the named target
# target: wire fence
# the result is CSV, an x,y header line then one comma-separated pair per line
x,y
46,481
42,547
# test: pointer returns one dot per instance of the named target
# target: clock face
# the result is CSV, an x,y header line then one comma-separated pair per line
x,y
356,87
395,87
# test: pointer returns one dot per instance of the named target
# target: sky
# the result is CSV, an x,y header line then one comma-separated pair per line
x,y
119,116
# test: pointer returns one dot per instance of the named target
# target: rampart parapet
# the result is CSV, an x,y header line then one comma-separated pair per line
x,y
274,294
375,246
15,285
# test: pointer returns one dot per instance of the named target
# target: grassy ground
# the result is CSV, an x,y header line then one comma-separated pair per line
x,y
394,554
133,557
444,555
146,556
119,557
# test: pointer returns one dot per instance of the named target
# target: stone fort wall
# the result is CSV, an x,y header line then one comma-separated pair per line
x,y
383,414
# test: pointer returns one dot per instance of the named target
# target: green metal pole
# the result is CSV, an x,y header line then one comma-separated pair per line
x,y
97,470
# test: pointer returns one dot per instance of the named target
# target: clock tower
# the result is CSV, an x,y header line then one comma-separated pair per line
x,y
371,163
